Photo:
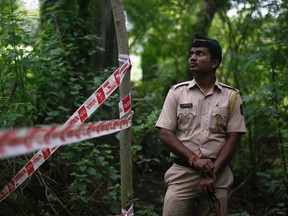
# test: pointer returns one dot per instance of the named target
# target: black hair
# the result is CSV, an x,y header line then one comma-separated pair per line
x,y
212,45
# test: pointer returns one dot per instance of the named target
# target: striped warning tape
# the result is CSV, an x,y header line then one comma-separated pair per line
x,y
81,114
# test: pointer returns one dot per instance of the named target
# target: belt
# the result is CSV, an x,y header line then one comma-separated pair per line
x,y
181,162
185,163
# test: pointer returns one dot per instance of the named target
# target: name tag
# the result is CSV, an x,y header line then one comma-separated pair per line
x,y
186,105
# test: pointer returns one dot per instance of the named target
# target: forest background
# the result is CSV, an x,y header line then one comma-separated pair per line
x,y
53,58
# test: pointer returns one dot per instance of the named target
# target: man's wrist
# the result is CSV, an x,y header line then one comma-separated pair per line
x,y
192,159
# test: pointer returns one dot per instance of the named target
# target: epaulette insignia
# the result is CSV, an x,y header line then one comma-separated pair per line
x,y
180,84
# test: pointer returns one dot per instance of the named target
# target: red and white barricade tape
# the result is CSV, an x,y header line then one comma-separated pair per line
x,y
101,94
23,141
81,114
130,211
124,105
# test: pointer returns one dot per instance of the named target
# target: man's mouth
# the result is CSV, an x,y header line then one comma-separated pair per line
x,y
193,64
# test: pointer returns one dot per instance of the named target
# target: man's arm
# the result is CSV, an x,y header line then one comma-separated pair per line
x,y
227,152
176,147
174,144
223,159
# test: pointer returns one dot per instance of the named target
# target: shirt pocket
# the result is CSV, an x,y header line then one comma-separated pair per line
x,y
218,122
186,118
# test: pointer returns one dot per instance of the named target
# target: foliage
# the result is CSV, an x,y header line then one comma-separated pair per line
x,y
165,29
45,84
16,103
95,173
45,74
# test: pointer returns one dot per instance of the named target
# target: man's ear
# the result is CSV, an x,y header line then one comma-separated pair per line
x,y
216,63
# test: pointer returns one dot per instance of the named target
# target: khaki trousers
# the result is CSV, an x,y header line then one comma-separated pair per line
x,y
182,197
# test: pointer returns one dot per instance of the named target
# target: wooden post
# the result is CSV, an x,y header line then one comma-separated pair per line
x,y
125,135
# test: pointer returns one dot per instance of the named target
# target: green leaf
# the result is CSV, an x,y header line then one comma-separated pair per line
x,y
91,171
82,168
82,186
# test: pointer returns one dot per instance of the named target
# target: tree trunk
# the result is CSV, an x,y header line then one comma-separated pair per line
x,y
125,135
103,27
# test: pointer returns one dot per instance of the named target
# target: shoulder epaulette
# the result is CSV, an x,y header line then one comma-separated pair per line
x,y
230,87
180,84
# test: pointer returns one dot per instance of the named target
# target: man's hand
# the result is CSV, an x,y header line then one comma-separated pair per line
x,y
206,185
206,166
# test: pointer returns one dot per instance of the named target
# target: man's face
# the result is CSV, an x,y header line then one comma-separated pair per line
x,y
200,61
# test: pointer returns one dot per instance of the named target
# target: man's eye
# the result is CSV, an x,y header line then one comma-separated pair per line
x,y
197,53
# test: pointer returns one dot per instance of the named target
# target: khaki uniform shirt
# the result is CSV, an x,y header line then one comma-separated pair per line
x,y
200,121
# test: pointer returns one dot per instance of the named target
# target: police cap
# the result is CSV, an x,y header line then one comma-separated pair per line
x,y
211,44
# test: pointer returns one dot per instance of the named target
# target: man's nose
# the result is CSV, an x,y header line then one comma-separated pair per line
x,y
192,58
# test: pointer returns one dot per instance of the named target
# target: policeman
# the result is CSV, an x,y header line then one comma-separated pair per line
x,y
201,124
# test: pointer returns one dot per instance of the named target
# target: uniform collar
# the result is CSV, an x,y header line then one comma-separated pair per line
x,y
218,85
193,83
